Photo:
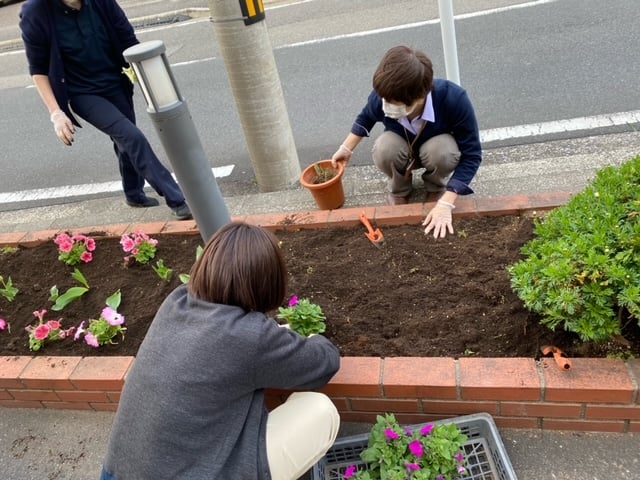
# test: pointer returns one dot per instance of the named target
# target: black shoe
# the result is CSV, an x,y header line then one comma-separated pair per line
x,y
145,203
182,212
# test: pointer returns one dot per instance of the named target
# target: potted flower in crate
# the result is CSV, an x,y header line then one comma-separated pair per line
x,y
423,452
324,181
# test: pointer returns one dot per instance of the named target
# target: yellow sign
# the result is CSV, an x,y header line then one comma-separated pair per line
x,y
252,11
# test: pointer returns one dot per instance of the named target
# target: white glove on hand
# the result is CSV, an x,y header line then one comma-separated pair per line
x,y
63,127
439,219
342,155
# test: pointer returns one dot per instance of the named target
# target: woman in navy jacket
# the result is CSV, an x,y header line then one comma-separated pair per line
x,y
428,124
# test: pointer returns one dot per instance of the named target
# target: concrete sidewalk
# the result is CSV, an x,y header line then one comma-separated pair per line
x,y
55,444
70,445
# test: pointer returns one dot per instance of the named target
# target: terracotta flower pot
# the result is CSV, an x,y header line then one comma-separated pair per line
x,y
328,195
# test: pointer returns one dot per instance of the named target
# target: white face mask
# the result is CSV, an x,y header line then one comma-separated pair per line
x,y
394,111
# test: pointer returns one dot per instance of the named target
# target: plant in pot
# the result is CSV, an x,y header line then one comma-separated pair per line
x,y
324,181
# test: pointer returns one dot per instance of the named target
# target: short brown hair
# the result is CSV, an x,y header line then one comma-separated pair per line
x,y
404,75
241,265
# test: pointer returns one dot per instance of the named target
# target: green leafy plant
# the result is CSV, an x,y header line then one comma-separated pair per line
x,y
8,290
303,317
44,332
103,330
427,452
164,272
184,277
140,247
581,271
323,174
73,249
72,294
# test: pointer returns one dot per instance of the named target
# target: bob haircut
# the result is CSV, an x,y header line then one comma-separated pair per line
x,y
404,75
241,265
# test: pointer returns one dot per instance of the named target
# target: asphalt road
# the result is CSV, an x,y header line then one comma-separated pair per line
x,y
547,61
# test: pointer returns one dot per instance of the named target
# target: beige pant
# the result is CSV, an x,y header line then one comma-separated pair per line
x,y
439,156
299,433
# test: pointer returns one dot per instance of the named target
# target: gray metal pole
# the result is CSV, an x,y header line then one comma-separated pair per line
x,y
448,30
242,36
179,137
180,140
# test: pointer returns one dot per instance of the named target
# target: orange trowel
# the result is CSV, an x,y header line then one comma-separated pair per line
x,y
375,236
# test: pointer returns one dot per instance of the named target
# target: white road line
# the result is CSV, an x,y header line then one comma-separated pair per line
x,y
560,126
82,190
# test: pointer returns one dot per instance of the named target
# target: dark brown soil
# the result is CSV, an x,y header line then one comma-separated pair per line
x,y
414,296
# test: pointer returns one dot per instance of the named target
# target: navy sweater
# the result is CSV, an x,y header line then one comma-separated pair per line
x,y
454,114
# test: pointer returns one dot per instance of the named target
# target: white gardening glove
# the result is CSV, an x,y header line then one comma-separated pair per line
x,y
63,126
343,154
439,219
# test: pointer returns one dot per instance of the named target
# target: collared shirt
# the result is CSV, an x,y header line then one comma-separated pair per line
x,y
86,51
428,115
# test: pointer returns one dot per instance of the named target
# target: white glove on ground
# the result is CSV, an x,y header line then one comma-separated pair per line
x,y
439,219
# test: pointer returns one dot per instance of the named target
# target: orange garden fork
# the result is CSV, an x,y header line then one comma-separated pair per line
x,y
375,236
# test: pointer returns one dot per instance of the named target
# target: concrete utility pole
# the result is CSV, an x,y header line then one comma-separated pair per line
x,y
448,31
242,36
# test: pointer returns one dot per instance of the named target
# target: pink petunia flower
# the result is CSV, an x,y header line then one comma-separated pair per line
x,y
112,317
3,324
461,469
90,243
440,477
127,243
416,448
426,430
62,238
391,435
78,238
42,332
79,331
86,257
91,340
459,457
65,247
412,467
350,471
294,301
54,324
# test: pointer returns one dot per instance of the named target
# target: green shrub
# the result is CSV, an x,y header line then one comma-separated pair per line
x,y
582,270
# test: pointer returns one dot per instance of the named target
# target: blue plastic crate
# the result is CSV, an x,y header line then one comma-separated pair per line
x,y
484,451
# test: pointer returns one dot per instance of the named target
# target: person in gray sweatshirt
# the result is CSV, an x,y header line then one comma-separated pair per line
x,y
192,407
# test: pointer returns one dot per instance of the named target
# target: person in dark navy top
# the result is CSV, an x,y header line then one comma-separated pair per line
x,y
74,51
428,124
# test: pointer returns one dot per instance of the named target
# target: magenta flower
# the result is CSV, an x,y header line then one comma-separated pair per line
x,y
294,301
62,238
350,471
391,435
415,447
112,317
91,340
426,430
412,467
42,332
440,477
3,324
459,457
408,431
86,257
